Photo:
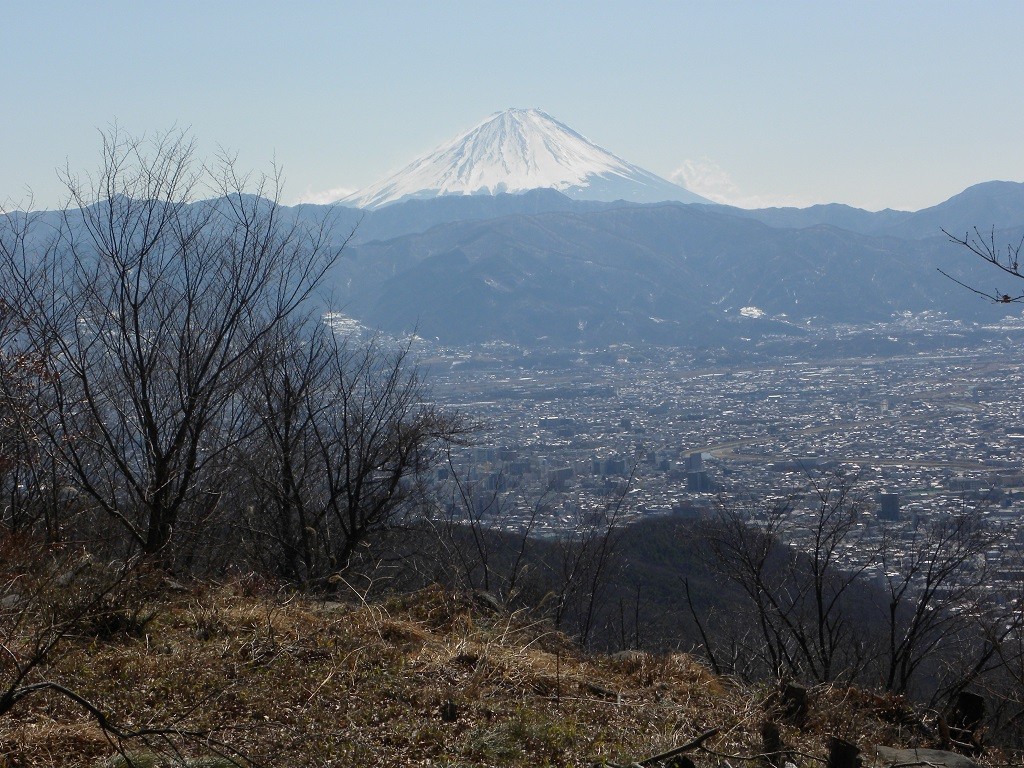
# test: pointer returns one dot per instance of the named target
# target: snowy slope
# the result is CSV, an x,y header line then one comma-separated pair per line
x,y
519,150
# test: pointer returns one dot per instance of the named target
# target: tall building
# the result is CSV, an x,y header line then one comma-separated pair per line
x,y
888,506
698,482
695,462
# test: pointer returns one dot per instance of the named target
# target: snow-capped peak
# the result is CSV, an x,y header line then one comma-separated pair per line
x,y
515,151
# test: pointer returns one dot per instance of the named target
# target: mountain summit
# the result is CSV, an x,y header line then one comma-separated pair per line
x,y
519,150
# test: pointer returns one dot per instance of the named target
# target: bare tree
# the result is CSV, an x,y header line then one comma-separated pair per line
x,y
27,480
792,566
485,529
996,617
280,459
930,574
492,539
144,310
1006,260
345,440
581,564
998,669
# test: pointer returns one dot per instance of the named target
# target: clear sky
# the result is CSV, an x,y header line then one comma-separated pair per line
x,y
875,104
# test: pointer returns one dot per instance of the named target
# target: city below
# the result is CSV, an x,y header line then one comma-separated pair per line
x,y
929,427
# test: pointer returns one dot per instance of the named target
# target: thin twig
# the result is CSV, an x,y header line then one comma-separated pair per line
x,y
763,756
695,744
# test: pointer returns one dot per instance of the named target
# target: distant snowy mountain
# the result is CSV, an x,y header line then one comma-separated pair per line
x,y
519,150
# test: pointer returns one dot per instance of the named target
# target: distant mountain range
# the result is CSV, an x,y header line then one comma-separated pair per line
x,y
549,270
540,269
522,231
996,204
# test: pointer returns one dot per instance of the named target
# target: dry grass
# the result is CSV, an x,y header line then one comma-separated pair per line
x,y
426,679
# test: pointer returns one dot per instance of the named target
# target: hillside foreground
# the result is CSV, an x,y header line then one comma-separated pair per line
x,y
241,675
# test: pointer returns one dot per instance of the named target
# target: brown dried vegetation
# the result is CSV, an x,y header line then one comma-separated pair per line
x,y
423,679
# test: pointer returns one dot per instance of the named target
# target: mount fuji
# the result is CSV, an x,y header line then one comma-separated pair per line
x,y
516,151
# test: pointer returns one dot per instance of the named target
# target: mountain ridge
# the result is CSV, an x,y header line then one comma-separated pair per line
x,y
541,267
661,274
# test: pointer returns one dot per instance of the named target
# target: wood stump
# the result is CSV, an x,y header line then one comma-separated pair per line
x,y
843,754
795,706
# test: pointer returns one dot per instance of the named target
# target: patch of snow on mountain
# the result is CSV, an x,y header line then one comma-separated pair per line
x,y
515,151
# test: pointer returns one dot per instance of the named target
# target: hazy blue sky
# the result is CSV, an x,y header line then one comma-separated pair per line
x,y
875,104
